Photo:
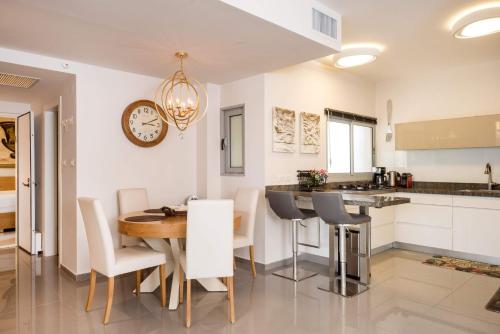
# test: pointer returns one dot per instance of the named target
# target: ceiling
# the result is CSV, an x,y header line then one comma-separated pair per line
x,y
223,43
49,85
415,35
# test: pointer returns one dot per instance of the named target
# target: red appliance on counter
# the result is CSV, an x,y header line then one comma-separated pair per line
x,y
406,180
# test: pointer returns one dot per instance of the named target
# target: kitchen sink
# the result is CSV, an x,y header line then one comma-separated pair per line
x,y
483,191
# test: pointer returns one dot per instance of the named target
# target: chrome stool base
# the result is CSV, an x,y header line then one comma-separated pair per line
x,y
350,289
301,274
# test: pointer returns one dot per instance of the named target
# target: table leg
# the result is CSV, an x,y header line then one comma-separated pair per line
x,y
174,291
152,282
365,248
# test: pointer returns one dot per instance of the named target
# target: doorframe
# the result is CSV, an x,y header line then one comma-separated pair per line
x,y
57,107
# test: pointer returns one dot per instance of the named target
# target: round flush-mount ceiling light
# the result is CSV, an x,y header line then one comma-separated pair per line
x,y
477,22
351,56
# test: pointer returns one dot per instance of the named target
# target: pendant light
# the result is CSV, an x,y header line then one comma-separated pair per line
x,y
184,100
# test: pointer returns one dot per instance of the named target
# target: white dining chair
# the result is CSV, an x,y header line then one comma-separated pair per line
x,y
104,259
130,200
245,203
209,248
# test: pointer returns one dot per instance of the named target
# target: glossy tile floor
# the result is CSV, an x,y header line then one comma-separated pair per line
x,y
406,297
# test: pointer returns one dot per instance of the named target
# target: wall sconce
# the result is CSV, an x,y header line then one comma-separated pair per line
x,y
388,130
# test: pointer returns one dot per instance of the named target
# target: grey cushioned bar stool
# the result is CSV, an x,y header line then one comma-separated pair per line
x,y
284,206
330,207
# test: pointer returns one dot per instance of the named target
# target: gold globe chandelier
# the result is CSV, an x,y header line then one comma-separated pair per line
x,y
183,100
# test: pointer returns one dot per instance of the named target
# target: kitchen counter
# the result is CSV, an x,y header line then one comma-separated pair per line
x,y
436,188
363,199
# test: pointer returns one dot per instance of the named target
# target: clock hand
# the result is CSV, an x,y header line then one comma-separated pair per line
x,y
151,121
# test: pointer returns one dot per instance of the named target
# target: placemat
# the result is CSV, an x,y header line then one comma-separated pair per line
x,y
145,218
153,211
177,213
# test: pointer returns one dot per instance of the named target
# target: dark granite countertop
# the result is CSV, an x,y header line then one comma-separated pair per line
x,y
438,188
363,199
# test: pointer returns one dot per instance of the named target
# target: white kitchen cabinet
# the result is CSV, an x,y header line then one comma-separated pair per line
x,y
426,215
426,221
476,202
431,199
424,235
382,226
476,230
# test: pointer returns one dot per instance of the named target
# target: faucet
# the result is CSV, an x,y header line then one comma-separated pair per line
x,y
487,170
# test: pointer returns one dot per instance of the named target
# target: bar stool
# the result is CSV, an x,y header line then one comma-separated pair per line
x,y
284,206
330,207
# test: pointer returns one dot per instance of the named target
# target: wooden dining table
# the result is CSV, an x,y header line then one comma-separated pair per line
x,y
156,233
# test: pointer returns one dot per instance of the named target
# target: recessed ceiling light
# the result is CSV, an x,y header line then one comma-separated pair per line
x,y
355,56
481,22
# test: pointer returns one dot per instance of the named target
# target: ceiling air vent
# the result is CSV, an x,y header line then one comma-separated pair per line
x,y
323,23
19,81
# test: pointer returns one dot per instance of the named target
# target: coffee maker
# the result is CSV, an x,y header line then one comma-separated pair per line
x,y
379,177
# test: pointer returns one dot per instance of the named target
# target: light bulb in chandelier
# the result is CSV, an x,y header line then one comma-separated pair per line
x,y
183,99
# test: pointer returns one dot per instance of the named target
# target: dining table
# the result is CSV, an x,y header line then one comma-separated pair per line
x,y
164,234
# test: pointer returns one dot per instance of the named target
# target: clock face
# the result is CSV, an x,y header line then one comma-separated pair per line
x,y
142,124
145,123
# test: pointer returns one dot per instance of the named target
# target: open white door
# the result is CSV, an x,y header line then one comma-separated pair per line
x,y
25,183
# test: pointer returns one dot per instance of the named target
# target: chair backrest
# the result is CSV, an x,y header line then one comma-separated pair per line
x,y
209,239
245,202
101,249
132,199
283,205
330,207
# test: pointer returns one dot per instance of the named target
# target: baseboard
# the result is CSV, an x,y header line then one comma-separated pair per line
x,y
445,252
78,278
383,248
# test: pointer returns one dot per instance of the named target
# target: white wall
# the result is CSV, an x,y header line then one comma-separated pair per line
x,y
108,161
310,87
250,92
105,160
462,91
209,179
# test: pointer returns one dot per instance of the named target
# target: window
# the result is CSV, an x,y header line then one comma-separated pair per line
x,y
233,140
350,143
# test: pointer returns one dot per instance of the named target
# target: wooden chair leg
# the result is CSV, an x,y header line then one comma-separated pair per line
x,y
163,286
230,292
90,297
181,285
109,302
138,279
188,303
252,261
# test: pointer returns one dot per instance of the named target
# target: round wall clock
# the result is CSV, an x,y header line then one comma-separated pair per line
x,y
142,125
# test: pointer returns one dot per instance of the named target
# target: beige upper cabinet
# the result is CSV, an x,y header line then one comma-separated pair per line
x,y
464,132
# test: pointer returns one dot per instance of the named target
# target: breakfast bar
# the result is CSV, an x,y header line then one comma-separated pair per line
x,y
359,282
